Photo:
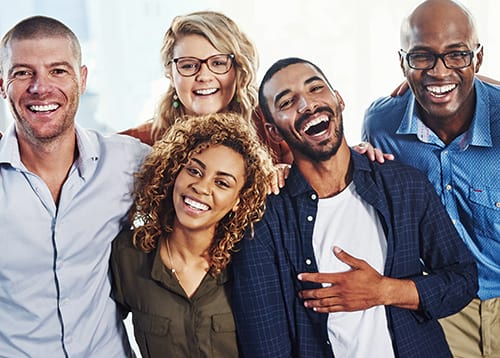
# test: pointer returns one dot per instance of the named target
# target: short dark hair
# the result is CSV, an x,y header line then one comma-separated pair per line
x,y
276,67
36,27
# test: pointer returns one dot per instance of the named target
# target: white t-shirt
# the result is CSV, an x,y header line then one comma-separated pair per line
x,y
347,221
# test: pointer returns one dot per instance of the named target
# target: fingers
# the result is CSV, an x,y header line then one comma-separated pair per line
x,y
346,258
372,153
366,149
280,174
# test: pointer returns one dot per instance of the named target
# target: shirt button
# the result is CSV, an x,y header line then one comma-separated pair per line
x,y
454,222
448,187
497,204
308,262
309,218
313,196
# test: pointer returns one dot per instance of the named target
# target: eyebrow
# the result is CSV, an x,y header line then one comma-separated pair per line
x,y
201,164
306,82
53,64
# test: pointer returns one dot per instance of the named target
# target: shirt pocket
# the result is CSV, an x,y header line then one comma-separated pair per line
x,y
152,335
223,336
485,206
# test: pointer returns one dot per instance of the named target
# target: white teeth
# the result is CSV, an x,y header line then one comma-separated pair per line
x,y
195,204
44,108
441,89
206,91
315,121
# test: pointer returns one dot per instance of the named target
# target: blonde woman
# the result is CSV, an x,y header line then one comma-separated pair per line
x,y
191,208
211,66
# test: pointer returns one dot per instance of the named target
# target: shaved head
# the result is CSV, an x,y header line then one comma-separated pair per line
x,y
445,12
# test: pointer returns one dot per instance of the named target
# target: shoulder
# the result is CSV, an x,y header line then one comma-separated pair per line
x,y
391,174
123,240
388,104
141,132
115,145
123,247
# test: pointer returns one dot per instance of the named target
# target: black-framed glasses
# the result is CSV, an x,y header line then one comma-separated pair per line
x,y
451,60
190,66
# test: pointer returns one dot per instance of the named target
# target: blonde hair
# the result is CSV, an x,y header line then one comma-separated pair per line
x,y
153,212
226,37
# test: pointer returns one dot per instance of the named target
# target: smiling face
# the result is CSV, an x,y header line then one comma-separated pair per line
x,y
442,93
205,92
207,188
306,111
42,80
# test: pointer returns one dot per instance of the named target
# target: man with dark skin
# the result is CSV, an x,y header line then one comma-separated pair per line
x,y
374,229
448,126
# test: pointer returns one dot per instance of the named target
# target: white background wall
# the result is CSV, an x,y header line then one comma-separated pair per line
x,y
355,42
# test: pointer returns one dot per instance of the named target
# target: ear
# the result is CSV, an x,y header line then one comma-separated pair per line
x,y
479,60
340,99
83,79
273,132
3,93
402,63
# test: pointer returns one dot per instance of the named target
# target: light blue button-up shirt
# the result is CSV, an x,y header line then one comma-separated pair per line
x,y
465,173
54,274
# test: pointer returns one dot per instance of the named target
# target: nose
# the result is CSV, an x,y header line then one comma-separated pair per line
x,y
202,187
305,104
204,72
39,84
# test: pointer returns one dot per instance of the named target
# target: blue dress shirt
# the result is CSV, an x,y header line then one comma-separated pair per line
x,y
271,320
54,271
465,173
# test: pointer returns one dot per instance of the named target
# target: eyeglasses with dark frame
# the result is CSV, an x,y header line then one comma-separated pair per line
x,y
190,66
427,60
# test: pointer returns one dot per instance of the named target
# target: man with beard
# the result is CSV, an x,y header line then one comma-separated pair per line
x,y
448,126
391,260
63,193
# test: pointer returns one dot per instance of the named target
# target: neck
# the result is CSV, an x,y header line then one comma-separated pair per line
x,y
50,161
450,127
187,258
330,177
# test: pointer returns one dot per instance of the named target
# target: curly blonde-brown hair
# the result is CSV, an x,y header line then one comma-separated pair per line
x,y
153,211
225,35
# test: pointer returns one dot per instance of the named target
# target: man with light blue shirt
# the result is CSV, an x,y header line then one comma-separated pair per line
x,y
63,192
448,125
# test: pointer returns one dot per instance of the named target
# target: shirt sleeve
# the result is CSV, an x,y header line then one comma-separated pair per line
x,y
258,297
117,292
450,280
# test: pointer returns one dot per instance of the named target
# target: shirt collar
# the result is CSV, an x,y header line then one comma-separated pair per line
x,y
88,150
297,185
478,134
9,149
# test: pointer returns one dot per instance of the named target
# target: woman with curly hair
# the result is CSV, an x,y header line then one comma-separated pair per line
x,y
202,187
211,66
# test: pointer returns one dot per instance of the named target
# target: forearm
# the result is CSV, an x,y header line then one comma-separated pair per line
x,y
401,293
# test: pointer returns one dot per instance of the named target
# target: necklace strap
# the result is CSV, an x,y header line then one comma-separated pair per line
x,y
172,269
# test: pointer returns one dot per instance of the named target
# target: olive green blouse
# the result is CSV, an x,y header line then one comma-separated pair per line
x,y
167,323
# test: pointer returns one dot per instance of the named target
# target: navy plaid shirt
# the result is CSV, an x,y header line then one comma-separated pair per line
x,y
271,319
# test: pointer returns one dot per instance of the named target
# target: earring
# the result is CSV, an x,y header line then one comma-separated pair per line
x,y
176,103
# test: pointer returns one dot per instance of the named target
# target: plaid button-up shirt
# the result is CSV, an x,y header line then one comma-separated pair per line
x,y
271,319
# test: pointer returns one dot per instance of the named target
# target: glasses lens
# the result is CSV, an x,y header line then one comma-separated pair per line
x,y
458,59
219,64
188,66
421,61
